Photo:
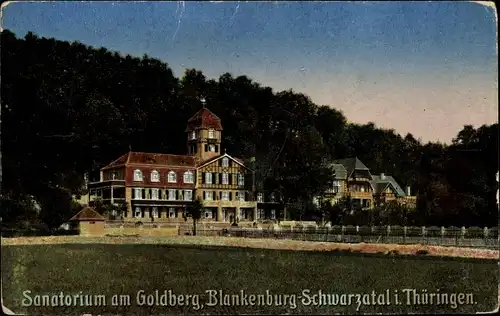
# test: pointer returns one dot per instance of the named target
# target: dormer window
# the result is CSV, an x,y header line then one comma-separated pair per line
x,y
211,148
155,176
260,197
188,177
172,177
211,133
137,175
193,135
225,162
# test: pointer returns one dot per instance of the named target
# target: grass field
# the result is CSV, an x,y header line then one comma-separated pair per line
x,y
126,269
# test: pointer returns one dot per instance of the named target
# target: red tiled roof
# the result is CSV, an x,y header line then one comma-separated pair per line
x,y
118,162
153,159
204,118
87,214
160,159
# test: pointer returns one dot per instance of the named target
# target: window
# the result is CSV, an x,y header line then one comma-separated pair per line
x,y
188,195
336,186
138,193
241,196
272,197
113,175
154,194
260,197
211,133
273,214
171,194
208,214
172,177
211,148
188,177
137,212
208,178
225,196
243,214
171,212
260,213
225,178
155,176
138,175
241,179
225,162
193,134
208,195
154,212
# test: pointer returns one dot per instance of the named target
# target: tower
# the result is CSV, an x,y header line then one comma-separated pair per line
x,y
204,134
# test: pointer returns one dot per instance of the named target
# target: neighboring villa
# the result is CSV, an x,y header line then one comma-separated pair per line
x,y
353,179
161,187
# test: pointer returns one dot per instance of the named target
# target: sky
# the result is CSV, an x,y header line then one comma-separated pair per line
x,y
426,68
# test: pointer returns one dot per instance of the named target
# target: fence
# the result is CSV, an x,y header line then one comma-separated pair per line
x,y
452,236
17,232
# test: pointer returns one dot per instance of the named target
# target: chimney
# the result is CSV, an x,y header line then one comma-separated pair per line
x,y
382,176
408,191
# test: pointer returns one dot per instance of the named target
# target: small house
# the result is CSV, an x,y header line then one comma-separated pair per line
x,y
89,222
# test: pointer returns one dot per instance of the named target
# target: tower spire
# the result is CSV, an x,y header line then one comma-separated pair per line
x,y
203,102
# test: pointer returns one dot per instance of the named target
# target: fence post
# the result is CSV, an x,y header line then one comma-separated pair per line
x,y
463,231
326,235
342,230
443,232
424,233
404,234
485,233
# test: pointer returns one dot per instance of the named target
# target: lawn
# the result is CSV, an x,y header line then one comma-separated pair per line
x,y
109,270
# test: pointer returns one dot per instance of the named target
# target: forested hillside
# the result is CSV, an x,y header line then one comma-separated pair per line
x,y
68,108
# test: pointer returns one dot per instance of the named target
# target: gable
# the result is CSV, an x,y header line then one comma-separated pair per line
x,y
389,188
217,162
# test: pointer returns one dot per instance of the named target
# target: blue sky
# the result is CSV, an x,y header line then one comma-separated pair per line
x,y
424,67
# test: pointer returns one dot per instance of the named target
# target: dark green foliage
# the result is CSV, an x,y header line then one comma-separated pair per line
x,y
70,109
195,210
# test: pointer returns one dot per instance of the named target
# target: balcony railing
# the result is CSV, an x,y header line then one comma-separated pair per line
x,y
359,194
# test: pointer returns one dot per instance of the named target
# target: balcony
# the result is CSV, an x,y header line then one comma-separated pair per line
x,y
359,179
223,203
361,195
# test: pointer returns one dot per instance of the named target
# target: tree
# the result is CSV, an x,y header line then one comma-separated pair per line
x,y
195,210
69,109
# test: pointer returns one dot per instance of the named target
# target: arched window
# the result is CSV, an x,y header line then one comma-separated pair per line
x,y
155,176
172,177
138,175
188,177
